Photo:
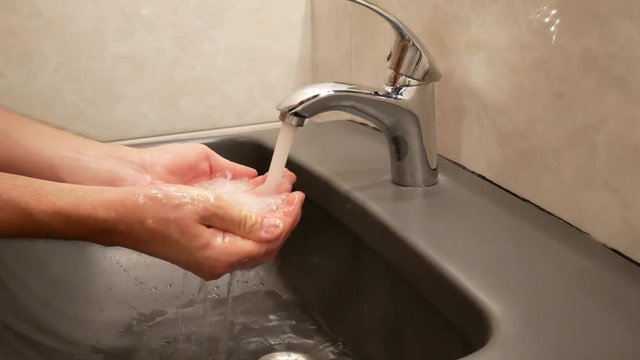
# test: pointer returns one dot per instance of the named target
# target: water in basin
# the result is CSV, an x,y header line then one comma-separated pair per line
x,y
257,321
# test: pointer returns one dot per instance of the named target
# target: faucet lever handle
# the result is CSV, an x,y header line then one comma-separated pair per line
x,y
409,60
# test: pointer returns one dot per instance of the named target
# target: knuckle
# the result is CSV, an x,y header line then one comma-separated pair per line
x,y
203,150
247,222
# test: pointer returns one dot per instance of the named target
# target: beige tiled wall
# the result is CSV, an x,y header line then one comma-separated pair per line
x,y
125,69
542,97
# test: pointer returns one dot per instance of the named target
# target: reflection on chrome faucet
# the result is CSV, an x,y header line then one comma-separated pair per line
x,y
404,110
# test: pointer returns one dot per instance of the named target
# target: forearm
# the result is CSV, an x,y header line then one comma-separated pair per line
x,y
32,149
44,209
187,226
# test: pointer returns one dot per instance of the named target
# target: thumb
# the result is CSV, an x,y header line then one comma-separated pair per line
x,y
248,224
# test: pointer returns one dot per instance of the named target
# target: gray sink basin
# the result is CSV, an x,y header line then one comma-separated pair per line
x,y
374,271
328,295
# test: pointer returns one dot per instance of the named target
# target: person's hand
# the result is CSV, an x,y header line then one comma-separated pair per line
x,y
115,165
199,231
284,185
188,164
30,148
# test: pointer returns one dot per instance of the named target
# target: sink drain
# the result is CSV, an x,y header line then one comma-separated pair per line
x,y
285,356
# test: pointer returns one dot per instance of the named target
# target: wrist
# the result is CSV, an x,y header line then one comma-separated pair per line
x,y
80,212
35,208
105,165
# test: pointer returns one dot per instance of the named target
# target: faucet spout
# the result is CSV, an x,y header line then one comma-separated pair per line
x,y
404,114
404,110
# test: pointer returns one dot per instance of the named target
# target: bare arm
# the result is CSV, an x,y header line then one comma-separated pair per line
x,y
33,149
65,186
38,208
183,225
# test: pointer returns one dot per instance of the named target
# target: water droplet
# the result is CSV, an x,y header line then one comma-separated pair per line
x,y
169,285
154,289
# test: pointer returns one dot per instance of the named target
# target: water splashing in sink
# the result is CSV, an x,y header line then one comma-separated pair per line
x,y
240,193
226,331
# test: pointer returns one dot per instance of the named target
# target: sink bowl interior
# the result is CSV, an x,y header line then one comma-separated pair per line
x,y
328,294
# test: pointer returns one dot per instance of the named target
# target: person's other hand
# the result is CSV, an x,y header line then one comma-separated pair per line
x,y
199,231
186,164
189,164
284,185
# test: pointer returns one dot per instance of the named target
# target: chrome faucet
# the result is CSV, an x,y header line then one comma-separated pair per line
x,y
404,109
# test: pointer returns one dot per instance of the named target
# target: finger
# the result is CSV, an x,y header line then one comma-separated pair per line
x,y
252,255
257,181
250,263
289,212
273,252
221,214
289,176
284,185
222,167
269,253
286,175
229,252
294,212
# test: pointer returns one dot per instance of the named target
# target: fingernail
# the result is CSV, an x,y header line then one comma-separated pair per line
x,y
291,202
271,226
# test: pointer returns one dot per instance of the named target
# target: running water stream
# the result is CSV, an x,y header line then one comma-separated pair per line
x,y
276,168
224,345
280,155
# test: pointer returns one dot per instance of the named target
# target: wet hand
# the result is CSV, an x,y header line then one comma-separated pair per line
x,y
188,164
200,231
284,185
